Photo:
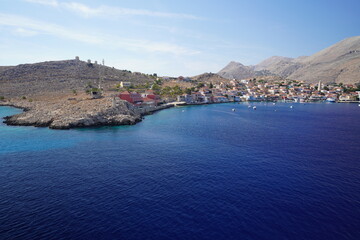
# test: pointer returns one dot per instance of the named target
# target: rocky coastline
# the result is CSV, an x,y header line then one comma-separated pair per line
x,y
74,113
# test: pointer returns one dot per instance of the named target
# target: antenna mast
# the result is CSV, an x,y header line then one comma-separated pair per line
x,y
102,70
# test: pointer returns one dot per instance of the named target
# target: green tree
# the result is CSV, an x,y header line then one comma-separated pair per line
x,y
211,85
155,87
177,90
166,91
200,85
147,85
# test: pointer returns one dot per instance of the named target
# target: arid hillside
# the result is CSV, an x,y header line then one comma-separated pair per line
x,y
337,63
59,77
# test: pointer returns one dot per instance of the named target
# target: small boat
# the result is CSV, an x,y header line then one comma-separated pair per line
x,y
330,99
233,109
274,103
249,106
291,106
254,107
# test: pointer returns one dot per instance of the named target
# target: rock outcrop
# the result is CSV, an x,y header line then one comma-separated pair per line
x,y
74,113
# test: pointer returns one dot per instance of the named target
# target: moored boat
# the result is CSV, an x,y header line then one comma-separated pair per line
x,y
330,99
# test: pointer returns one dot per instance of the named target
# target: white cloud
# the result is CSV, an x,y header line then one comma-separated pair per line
x,y
24,32
52,3
110,11
19,22
106,11
45,28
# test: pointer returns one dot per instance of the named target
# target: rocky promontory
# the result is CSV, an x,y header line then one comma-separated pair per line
x,y
73,113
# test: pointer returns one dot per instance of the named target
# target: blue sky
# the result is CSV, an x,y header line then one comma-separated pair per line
x,y
171,38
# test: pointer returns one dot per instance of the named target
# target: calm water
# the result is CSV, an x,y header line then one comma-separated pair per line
x,y
201,172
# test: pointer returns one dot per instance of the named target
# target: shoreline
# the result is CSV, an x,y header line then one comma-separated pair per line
x,y
115,114
116,118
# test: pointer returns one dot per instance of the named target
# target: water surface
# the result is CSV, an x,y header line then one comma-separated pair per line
x,y
200,172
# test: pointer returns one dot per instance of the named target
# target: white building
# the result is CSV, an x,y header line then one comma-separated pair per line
x,y
125,84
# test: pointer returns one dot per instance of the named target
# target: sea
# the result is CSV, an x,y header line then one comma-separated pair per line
x,y
222,171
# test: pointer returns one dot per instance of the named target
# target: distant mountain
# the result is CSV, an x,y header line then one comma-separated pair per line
x,y
272,62
235,70
209,77
280,66
61,76
338,63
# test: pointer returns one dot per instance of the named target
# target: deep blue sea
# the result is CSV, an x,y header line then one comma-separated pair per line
x,y
199,172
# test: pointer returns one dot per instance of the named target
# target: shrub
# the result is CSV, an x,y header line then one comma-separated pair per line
x,y
23,97
2,97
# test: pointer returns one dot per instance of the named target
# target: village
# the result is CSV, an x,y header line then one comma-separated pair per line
x,y
247,90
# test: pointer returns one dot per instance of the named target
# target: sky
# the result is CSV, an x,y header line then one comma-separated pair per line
x,y
171,37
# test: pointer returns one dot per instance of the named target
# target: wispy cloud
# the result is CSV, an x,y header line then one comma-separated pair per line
x,y
24,32
52,3
29,25
45,28
110,11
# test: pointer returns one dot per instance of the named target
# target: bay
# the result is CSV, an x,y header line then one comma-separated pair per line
x,y
198,172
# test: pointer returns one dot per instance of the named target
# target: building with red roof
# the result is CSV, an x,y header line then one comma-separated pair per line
x,y
133,97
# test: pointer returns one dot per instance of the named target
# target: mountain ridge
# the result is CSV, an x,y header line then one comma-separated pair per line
x,y
339,62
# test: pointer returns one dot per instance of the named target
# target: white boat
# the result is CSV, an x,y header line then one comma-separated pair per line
x,y
233,109
330,99
291,106
254,107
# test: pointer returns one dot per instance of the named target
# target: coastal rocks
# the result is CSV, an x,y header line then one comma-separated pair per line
x,y
65,115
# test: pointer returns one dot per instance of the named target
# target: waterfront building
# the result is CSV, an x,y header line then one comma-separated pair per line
x,y
134,97
151,95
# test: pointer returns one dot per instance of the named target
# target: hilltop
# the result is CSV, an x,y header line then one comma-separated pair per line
x,y
337,63
209,77
61,77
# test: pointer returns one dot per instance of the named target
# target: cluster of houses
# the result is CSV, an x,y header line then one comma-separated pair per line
x,y
207,95
252,91
256,91
148,98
